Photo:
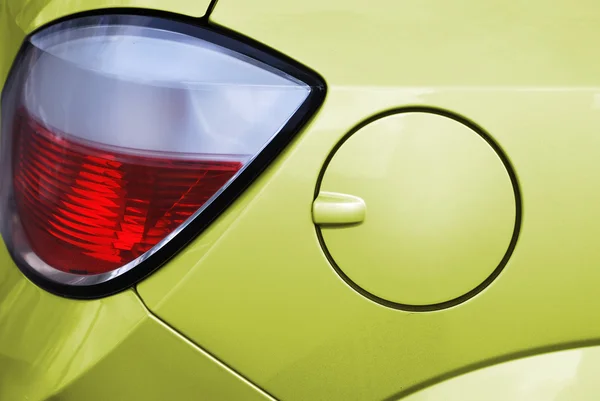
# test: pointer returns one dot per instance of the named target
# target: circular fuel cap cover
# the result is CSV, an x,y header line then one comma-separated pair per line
x,y
418,210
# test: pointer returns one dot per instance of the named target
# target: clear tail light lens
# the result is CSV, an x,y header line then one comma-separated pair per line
x,y
124,136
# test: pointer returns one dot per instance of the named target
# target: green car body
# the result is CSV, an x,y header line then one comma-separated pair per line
x,y
255,309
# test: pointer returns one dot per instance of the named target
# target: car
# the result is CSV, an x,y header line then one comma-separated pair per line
x,y
299,200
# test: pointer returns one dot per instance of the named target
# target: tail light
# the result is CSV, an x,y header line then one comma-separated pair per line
x,y
124,136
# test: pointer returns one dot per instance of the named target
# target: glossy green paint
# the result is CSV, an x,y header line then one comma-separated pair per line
x,y
50,341
29,15
441,209
53,348
558,376
155,363
256,290
11,37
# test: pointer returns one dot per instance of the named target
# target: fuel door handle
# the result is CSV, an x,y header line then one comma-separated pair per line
x,y
332,208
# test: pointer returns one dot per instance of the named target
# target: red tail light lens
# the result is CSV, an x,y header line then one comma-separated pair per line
x,y
90,211
124,136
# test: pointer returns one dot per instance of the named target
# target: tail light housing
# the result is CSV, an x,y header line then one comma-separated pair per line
x,y
124,136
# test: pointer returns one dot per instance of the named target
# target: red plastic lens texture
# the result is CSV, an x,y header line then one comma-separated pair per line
x,y
89,211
